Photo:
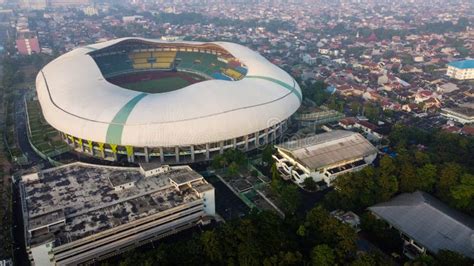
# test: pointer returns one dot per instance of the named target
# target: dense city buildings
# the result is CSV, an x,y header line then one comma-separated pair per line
x,y
332,132
42,4
80,213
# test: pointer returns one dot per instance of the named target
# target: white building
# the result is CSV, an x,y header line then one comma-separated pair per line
x,y
79,213
463,115
323,157
195,122
461,70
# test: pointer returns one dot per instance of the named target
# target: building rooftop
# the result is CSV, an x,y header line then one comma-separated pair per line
x,y
328,148
464,64
181,177
83,198
429,222
463,111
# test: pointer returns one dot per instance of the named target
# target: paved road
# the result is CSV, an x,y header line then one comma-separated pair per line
x,y
19,252
21,128
228,205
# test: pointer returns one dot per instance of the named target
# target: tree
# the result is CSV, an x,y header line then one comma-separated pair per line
x,y
321,228
276,182
290,198
387,187
421,158
355,107
320,95
387,166
267,155
218,162
407,178
372,258
448,258
463,194
284,259
364,260
233,168
448,178
421,260
211,246
380,232
425,177
322,255
356,190
309,184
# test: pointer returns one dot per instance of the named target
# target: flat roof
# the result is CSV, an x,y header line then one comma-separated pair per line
x,y
463,111
328,148
150,166
463,64
82,196
182,176
429,222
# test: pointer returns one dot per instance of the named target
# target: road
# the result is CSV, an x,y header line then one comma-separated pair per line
x,y
21,129
20,256
19,252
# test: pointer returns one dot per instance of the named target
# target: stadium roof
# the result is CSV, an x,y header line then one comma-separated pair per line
x,y
328,148
78,100
464,64
429,222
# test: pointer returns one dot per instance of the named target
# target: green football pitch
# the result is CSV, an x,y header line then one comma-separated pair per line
x,y
157,86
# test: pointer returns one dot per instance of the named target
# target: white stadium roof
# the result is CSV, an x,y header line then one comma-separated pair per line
x,y
76,99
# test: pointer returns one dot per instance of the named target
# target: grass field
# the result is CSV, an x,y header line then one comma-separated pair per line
x,y
157,86
44,137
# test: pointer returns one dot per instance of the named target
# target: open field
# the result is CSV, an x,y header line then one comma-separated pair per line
x,y
156,82
157,86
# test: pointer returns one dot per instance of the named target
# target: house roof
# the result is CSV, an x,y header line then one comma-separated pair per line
x,y
429,222
464,64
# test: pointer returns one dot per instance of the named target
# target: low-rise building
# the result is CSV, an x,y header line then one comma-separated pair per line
x,y
79,213
324,156
463,115
318,116
461,70
427,225
27,43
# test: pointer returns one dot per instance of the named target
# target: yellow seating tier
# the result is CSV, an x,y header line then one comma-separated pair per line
x,y
164,54
140,55
140,60
162,65
164,60
142,66
233,73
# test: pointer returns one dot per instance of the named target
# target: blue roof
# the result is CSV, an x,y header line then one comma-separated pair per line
x,y
218,75
464,64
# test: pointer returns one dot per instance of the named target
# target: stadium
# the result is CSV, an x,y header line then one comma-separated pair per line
x,y
141,100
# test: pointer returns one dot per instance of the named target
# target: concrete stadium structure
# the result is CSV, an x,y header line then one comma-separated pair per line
x,y
242,102
81,213
323,157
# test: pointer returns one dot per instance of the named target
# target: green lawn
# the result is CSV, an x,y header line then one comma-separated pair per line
x,y
157,86
44,137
